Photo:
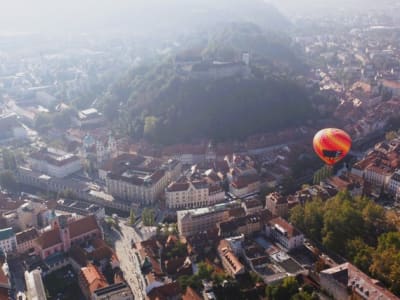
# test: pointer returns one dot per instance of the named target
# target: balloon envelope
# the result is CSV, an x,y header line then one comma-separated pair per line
x,y
331,145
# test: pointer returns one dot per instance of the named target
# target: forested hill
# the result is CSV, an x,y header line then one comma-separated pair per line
x,y
225,109
164,105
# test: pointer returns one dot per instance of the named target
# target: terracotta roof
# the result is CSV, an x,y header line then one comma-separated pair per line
x,y
93,278
82,226
391,84
49,238
175,265
191,294
26,235
225,251
253,202
244,181
291,231
237,212
165,292
178,186
4,294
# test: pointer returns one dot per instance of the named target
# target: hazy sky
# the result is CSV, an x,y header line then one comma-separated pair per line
x,y
53,15
58,15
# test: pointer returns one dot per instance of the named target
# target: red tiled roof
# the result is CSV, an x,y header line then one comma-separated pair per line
x,y
178,186
4,294
82,226
191,294
93,278
291,231
244,181
165,292
49,238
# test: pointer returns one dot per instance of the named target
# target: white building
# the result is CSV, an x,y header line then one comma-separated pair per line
x,y
8,242
277,204
88,118
245,185
30,214
377,175
284,233
11,129
106,150
192,194
193,221
34,285
55,162
139,179
394,184
345,281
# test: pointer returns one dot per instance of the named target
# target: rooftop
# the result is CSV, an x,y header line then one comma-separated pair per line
x,y
349,276
93,278
26,235
6,233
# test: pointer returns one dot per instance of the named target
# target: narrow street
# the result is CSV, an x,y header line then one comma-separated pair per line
x,y
129,262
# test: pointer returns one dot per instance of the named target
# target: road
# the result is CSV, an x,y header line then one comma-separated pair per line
x,y
17,276
129,261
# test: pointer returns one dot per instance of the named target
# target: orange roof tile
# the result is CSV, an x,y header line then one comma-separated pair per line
x,y
49,238
82,226
93,278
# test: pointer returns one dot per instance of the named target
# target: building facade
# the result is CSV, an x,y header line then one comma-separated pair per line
x,y
8,241
345,281
192,194
137,180
229,260
54,162
25,240
277,204
284,233
66,233
198,220
34,285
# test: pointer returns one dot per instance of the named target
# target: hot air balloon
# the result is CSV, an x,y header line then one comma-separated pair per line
x,y
331,145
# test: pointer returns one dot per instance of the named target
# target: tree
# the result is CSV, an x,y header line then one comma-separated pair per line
x,y
62,120
386,261
390,135
284,291
8,181
148,217
9,160
67,194
132,217
150,125
43,122
360,253
205,270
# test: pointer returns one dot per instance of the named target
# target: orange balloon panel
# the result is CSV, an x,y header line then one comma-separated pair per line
x,y
332,145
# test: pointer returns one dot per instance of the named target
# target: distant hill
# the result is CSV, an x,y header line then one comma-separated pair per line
x,y
227,41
